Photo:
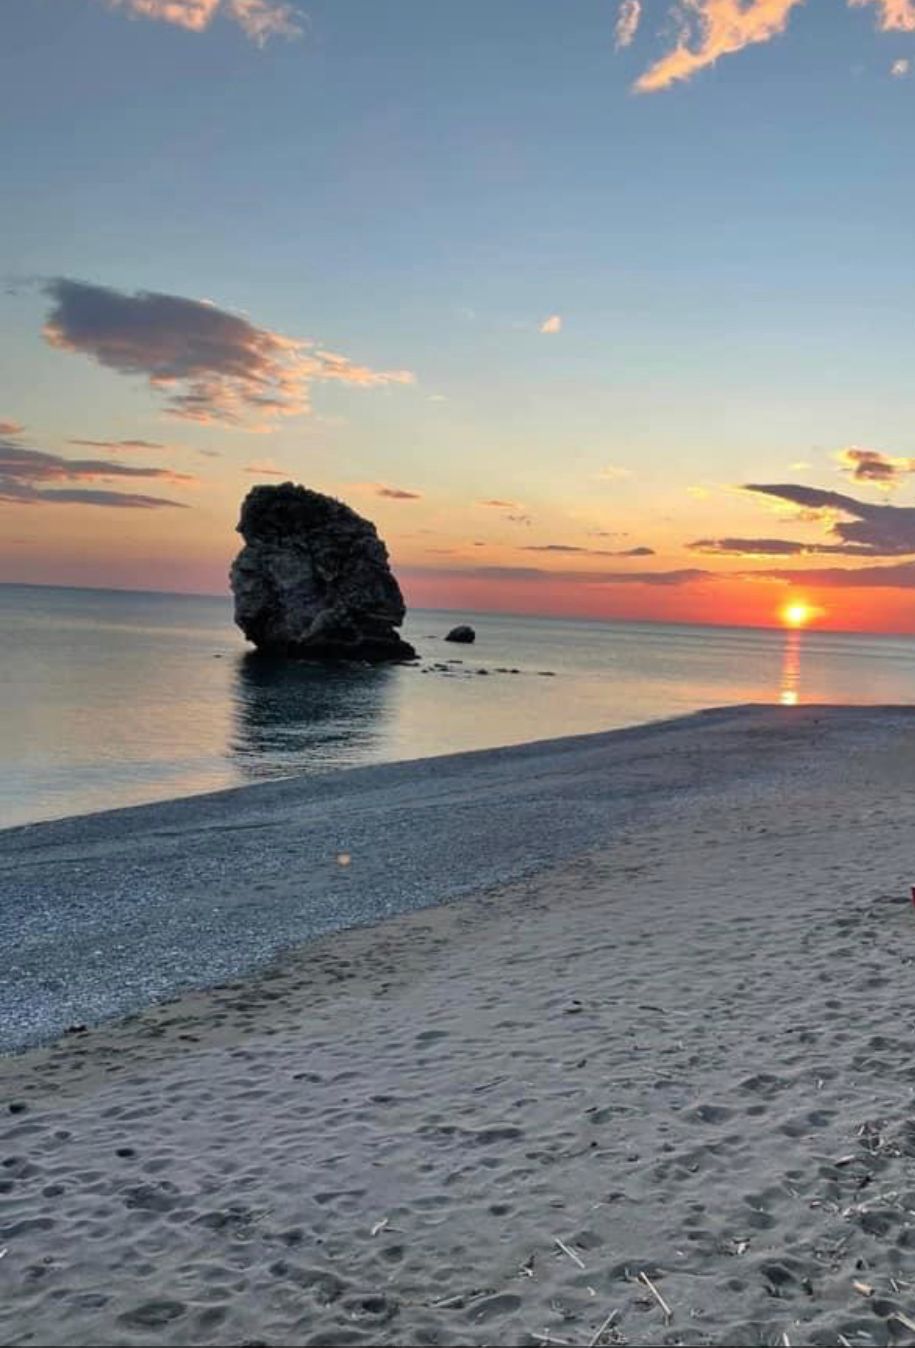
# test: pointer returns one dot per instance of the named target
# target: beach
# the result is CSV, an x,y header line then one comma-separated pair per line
x,y
603,1040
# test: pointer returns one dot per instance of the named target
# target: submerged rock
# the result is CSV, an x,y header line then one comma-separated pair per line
x,y
462,633
313,579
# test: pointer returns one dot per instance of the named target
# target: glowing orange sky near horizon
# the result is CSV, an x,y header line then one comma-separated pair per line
x,y
132,555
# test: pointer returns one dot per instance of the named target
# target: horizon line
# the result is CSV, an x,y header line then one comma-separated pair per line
x,y
496,613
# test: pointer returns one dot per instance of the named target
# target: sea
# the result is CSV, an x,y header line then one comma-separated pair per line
x,y
111,698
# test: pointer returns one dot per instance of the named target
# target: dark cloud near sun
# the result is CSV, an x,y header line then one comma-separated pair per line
x,y
774,547
900,576
208,364
872,530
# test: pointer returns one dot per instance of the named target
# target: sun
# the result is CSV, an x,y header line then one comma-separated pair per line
x,y
797,613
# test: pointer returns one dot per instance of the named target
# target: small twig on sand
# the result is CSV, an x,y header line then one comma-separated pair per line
x,y
595,1339
379,1226
2,1252
546,1338
903,1320
571,1253
786,1342
646,1281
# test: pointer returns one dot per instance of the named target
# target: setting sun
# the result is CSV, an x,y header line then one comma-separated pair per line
x,y
797,613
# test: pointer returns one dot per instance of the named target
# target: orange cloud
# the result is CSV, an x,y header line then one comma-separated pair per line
x,y
551,325
259,19
716,28
710,29
210,364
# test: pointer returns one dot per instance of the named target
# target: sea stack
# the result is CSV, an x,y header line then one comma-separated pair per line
x,y
313,580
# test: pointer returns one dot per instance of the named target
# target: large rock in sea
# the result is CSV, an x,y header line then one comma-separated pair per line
x,y
313,579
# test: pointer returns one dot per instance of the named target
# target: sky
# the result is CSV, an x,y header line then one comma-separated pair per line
x,y
595,309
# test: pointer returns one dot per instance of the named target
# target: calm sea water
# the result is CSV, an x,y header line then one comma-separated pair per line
x,y
110,698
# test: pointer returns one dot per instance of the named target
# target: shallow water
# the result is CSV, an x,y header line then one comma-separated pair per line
x,y
110,698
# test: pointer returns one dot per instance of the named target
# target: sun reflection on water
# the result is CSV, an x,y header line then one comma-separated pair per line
x,y
789,693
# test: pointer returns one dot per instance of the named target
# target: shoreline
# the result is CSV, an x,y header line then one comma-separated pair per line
x,y
682,1053
110,912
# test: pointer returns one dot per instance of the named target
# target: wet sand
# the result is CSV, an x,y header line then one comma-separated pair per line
x,y
662,1085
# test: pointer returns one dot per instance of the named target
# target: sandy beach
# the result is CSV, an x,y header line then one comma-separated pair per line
x,y
650,1081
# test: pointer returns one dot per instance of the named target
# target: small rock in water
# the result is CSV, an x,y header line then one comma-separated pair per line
x,y
462,633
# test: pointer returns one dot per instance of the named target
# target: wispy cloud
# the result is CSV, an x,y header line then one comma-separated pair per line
x,y
627,22
11,428
552,324
613,474
877,530
496,504
710,29
118,446
899,576
539,575
37,465
397,493
265,468
571,548
774,547
209,364
869,465
260,19
25,473
899,69
383,489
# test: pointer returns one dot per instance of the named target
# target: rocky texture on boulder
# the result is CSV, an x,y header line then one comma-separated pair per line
x,y
462,633
313,579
